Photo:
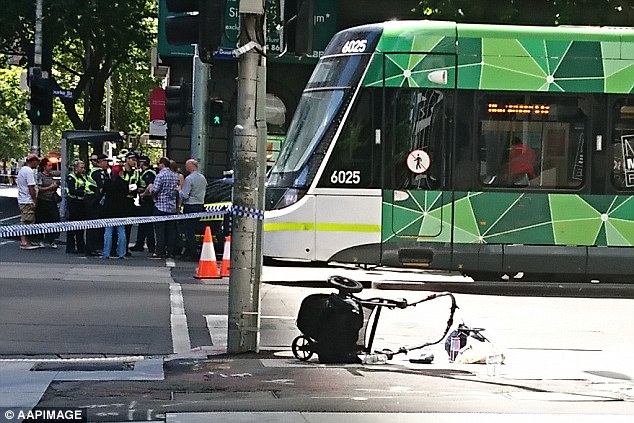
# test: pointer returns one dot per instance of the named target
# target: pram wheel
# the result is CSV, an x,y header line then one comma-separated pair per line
x,y
301,348
345,285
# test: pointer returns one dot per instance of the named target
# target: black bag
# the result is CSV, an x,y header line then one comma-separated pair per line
x,y
57,197
334,324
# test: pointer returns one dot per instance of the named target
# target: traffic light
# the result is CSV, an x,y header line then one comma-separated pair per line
x,y
177,103
39,108
203,24
298,26
216,107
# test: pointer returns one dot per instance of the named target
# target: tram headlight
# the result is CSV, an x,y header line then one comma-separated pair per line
x,y
288,198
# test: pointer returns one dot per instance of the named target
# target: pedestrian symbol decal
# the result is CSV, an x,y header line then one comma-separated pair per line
x,y
418,161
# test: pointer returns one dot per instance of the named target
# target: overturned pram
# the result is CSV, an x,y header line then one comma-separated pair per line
x,y
340,326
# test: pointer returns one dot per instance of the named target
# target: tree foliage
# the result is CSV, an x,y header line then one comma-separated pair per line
x,y
534,12
92,40
15,128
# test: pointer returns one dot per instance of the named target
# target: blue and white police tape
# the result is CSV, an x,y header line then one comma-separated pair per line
x,y
247,212
43,228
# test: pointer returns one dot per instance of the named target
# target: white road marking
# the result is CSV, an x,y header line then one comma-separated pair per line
x,y
217,325
178,319
10,218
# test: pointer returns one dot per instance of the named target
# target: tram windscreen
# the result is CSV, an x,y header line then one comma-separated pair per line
x,y
312,117
315,122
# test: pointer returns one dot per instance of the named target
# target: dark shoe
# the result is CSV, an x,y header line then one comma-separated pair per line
x,y
71,251
128,254
156,256
92,254
137,248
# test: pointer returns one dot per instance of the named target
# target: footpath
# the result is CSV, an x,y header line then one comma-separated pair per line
x,y
208,385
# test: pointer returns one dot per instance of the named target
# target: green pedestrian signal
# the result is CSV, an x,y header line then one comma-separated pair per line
x,y
216,107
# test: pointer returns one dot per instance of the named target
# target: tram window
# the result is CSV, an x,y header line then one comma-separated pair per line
x,y
414,120
354,161
532,141
623,145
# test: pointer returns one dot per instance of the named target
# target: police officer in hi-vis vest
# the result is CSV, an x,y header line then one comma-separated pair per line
x,y
75,191
131,176
146,230
95,179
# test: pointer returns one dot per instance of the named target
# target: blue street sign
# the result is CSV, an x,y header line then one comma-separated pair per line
x,y
225,54
63,93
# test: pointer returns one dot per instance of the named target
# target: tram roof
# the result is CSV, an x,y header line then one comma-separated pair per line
x,y
498,57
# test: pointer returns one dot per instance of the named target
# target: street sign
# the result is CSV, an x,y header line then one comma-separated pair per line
x,y
63,93
325,12
225,54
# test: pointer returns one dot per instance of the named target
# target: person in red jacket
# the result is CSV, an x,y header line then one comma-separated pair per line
x,y
522,161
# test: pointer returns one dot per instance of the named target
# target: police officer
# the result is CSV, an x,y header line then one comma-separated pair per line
x,y
75,192
95,179
146,230
131,176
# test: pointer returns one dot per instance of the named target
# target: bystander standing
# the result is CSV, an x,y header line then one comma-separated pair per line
x,y
165,191
47,210
115,192
193,197
27,197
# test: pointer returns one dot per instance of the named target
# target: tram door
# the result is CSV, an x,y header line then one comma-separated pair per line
x,y
417,138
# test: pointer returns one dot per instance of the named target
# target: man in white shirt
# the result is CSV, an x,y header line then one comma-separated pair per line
x,y
26,197
193,196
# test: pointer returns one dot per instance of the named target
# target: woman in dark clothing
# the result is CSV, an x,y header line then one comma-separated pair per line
x,y
46,210
115,192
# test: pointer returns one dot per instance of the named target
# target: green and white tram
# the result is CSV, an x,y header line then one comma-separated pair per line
x,y
478,148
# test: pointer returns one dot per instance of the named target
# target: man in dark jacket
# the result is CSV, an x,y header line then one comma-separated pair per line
x,y
115,192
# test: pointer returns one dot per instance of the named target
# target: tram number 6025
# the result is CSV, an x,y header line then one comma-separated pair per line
x,y
346,177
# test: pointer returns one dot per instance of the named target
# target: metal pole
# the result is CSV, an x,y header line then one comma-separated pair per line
x,y
108,103
37,63
248,191
200,112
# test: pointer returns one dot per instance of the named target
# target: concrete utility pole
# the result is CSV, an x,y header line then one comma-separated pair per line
x,y
248,187
200,111
37,64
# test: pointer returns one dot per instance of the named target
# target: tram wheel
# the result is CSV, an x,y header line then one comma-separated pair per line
x,y
301,348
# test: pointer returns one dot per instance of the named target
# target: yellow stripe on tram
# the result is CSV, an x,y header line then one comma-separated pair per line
x,y
322,227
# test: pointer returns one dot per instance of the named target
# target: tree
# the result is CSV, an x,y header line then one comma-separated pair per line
x,y
536,12
93,40
15,128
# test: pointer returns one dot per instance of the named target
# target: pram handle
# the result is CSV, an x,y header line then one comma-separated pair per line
x,y
383,302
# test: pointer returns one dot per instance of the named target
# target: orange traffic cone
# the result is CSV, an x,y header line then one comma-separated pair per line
x,y
226,258
207,266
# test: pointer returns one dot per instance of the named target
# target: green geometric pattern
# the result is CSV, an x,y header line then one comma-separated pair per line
x,y
504,58
509,218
